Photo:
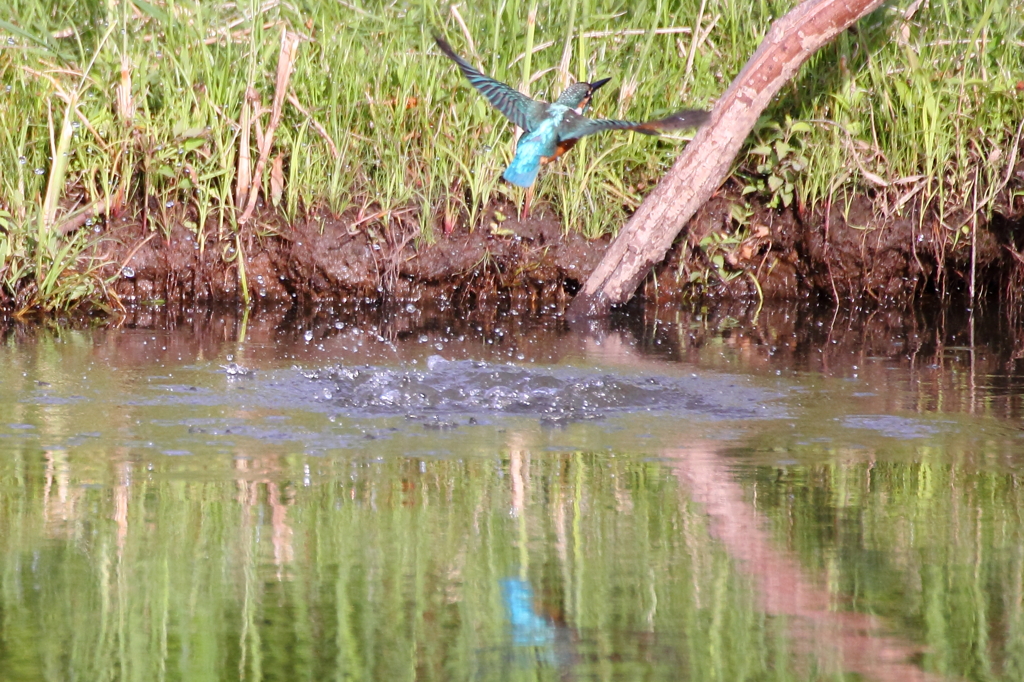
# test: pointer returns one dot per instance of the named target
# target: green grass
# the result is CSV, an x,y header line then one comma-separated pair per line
x,y
137,106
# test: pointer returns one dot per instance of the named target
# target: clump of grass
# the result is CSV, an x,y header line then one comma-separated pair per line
x,y
918,107
174,100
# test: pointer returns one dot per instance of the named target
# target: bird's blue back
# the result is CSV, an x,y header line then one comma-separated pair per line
x,y
541,142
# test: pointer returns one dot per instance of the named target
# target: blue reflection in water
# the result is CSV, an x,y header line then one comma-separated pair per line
x,y
528,628
537,641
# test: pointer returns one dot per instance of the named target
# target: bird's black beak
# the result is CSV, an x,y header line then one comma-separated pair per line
x,y
585,104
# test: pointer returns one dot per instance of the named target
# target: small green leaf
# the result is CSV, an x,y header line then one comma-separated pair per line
x,y
912,58
206,177
43,41
739,213
152,10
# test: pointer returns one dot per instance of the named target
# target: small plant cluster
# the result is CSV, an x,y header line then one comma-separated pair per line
x,y
783,163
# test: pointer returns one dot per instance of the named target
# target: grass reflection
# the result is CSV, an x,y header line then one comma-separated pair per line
x,y
392,571
400,569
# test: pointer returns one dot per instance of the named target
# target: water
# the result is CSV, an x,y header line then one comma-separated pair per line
x,y
347,495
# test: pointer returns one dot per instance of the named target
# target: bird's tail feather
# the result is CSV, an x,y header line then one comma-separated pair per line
x,y
522,171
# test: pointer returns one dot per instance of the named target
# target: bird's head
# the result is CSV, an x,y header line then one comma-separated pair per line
x,y
591,89
578,95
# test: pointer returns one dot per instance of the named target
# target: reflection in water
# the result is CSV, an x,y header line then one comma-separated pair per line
x,y
839,641
528,628
390,499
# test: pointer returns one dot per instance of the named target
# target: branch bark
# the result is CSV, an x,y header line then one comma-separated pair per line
x,y
700,169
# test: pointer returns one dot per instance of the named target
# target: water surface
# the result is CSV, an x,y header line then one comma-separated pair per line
x,y
491,496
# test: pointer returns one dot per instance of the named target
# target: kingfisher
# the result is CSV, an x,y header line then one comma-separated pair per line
x,y
552,128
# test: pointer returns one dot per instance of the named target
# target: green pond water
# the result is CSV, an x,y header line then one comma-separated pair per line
x,y
421,495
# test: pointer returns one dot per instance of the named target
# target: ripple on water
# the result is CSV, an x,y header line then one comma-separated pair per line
x,y
550,393
893,426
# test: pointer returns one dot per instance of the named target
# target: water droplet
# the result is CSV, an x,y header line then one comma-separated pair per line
x,y
38,171
22,160
128,272
233,369
169,204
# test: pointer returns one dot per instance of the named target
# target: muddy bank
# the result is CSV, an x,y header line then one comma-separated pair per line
x,y
850,252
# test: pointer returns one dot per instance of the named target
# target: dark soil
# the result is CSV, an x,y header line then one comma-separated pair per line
x,y
854,253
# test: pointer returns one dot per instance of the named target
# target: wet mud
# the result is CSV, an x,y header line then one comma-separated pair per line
x,y
850,252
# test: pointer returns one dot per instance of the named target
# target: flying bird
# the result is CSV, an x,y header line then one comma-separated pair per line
x,y
551,129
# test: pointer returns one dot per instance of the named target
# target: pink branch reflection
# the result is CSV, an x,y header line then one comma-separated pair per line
x,y
840,640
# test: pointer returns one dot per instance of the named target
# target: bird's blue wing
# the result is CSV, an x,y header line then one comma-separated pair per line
x,y
577,126
517,107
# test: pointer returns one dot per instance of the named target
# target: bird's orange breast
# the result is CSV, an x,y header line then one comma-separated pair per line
x,y
562,147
